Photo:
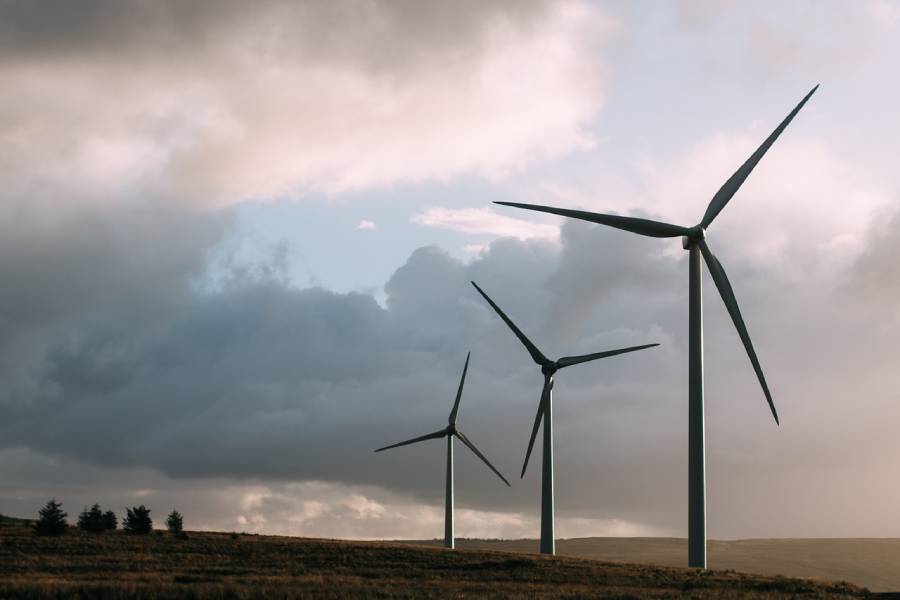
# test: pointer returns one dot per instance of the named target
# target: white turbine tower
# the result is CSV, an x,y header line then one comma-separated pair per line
x,y
449,432
545,413
693,240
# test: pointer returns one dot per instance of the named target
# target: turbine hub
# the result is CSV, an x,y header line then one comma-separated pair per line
x,y
694,235
549,368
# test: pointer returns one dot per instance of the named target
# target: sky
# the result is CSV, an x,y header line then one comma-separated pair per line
x,y
236,244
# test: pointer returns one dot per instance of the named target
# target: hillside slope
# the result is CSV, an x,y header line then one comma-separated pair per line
x,y
213,565
870,562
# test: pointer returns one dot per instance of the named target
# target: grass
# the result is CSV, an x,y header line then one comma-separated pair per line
x,y
220,565
870,562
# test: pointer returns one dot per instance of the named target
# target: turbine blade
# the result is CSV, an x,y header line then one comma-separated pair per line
x,y
734,182
472,447
727,293
459,391
537,424
536,354
568,361
431,436
634,225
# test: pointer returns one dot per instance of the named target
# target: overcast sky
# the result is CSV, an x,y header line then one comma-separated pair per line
x,y
236,241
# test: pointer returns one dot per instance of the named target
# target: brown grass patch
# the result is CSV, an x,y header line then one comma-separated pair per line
x,y
217,565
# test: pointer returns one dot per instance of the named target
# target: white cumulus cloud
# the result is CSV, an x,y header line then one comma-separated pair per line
x,y
484,221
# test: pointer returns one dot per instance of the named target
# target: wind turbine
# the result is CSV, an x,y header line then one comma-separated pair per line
x,y
693,240
545,412
449,432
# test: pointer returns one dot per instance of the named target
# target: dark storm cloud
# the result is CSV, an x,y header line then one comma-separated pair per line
x,y
260,379
254,379
99,265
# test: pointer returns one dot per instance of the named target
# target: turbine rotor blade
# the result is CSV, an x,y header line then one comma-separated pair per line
x,y
536,354
431,436
472,447
727,293
734,182
633,224
459,391
568,361
537,424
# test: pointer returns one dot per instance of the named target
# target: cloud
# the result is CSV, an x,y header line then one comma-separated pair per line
x,y
886,12
808,204
484,221
133,364
365,225
103,265
277,389
827,39
874,276
257,379
313,508
779,215
217,103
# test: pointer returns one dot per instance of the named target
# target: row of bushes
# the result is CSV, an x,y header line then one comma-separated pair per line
x,y
52,520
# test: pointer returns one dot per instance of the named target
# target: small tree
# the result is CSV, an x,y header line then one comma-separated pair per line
x,y
91,520
110,522
137,520
52,520
175,522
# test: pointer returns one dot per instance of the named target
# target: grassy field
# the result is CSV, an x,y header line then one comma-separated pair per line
x,y
872,563
217,565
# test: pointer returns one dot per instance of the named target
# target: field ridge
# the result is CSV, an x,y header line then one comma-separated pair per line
x,y
117,565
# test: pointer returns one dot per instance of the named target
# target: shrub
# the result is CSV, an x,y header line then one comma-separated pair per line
x,y
110,522
52,520
91,520
137,520
175,522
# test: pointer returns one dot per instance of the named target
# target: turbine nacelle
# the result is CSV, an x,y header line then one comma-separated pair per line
x,y
694,235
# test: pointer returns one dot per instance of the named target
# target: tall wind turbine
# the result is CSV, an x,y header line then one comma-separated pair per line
x,y
449,432
545,413
693,240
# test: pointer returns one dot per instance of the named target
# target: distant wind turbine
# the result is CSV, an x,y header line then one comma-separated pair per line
x,y
693,240
449,432
545,412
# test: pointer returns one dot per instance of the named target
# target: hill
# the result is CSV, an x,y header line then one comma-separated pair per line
x,y
215,565
870,562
